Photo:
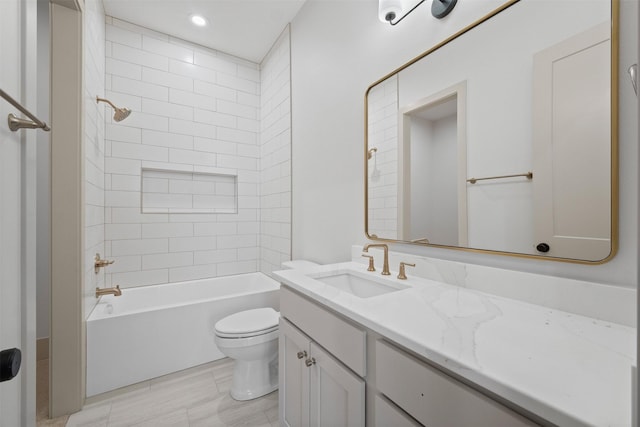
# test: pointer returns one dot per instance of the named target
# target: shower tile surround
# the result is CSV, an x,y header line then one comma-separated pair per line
x,y
196,112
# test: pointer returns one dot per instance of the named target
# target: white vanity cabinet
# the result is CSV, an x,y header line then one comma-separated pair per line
x,y
317,389
325,360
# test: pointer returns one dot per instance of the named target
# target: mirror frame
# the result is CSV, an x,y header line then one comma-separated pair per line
x,y
615,25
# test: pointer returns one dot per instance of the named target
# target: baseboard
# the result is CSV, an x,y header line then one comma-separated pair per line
x,y
42,348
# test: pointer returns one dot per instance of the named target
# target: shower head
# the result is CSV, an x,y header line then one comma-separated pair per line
x,y
120,113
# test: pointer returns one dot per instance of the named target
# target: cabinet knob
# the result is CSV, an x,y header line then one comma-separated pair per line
x,y
302,354
310,362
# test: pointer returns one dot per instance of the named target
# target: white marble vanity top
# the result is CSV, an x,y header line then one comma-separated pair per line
x,y
570,370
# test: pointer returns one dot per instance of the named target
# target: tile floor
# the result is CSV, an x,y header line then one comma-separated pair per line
x,y
191,398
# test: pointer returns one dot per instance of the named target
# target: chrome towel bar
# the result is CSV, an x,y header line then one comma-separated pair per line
x,y
529,175
16,123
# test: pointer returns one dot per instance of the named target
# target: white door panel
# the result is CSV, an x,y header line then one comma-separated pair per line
x,y
572,134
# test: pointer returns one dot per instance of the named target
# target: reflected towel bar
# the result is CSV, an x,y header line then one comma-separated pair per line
x,y
529,175
16,123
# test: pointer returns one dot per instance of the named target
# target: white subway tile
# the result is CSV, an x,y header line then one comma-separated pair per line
x,y
167,166
249,73
191,70
138,29
246,150
154,185
139,278
138,56
130,101
152,202
215,229
122,231
214,118
191,157
215,63
165,139
216,256
242,267
164,48
249,227
248,99
123,36
167,230
236,109
237,162
139,247
133,215
124,264
164,78
165,109
122,199
171,260
138,119
191,99
115,132
214,146
236,83
228,242
214,91
143,89
126,150
248,125
246,254
125,182
234,135
192,273
184,244
123,69
191,128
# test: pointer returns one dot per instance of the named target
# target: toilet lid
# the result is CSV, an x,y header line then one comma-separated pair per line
x,y
249,322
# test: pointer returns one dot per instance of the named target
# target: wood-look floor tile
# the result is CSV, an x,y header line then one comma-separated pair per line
x,y
174,419
225,411
94,416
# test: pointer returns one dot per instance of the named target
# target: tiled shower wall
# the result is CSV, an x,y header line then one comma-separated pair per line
x,y
194,110
93,139
275,155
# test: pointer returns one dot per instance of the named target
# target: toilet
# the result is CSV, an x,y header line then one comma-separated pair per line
x,y
251,338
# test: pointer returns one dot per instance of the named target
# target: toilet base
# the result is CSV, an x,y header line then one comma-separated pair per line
x,y
254,378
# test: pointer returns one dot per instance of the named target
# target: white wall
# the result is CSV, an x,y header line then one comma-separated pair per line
x,y
275,155
94,148
330,73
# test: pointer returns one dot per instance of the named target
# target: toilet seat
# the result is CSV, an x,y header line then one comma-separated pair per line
x,y
249,323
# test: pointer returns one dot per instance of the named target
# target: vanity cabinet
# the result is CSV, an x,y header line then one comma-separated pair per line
x,y
327,362
322,359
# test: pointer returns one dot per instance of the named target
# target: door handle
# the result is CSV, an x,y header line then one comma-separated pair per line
x,y
10,361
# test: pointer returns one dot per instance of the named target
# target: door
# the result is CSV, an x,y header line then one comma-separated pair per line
x,y
571,146
337,394
17,211
294,376
10,211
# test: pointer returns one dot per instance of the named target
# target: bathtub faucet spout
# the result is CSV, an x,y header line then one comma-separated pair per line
x,y
106,291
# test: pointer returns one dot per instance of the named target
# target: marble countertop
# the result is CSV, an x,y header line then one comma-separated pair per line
x,y
568,369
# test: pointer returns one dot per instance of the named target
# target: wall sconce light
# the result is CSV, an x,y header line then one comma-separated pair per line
x,y
389,10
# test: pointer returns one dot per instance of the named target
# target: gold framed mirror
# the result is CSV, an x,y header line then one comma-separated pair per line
x,y
503,138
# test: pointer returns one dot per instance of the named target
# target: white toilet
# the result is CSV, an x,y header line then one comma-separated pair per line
x,y
251,338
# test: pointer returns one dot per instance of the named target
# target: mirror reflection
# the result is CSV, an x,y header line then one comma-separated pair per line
x,y
500,139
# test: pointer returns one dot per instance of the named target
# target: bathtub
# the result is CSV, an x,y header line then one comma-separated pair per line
x,y
155,330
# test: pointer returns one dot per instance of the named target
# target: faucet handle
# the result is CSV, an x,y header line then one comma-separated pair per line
x,y
371,266
401,274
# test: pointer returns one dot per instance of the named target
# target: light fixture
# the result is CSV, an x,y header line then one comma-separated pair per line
x,y
389,10
198,20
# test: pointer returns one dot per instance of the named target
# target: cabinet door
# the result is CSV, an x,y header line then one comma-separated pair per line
x,y
337,394
294,376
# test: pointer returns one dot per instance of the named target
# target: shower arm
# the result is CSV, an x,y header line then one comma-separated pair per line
x,y
98,99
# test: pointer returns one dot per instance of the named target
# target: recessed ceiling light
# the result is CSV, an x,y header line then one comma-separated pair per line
x,y
198,20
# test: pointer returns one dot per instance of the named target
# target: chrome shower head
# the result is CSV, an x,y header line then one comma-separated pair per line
x,y
120,113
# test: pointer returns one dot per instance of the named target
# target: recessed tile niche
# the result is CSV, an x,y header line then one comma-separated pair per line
x,y
172,191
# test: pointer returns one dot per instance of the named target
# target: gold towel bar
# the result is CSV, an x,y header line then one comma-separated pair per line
x,y
16,123
529,175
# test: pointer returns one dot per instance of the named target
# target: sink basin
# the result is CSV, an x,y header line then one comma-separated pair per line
x,y
355,284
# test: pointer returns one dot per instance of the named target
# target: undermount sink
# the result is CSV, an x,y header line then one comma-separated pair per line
x,y
355,284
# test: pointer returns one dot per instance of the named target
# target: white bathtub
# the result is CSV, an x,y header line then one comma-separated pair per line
x,y
155,330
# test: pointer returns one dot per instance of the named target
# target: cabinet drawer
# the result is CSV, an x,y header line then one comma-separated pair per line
x,y
387,415
342,339
434,398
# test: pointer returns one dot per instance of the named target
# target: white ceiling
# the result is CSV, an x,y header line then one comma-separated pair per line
x,y
243,28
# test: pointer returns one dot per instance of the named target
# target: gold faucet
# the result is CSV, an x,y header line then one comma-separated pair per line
x,y
98,263
106,291
401,274
385,266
